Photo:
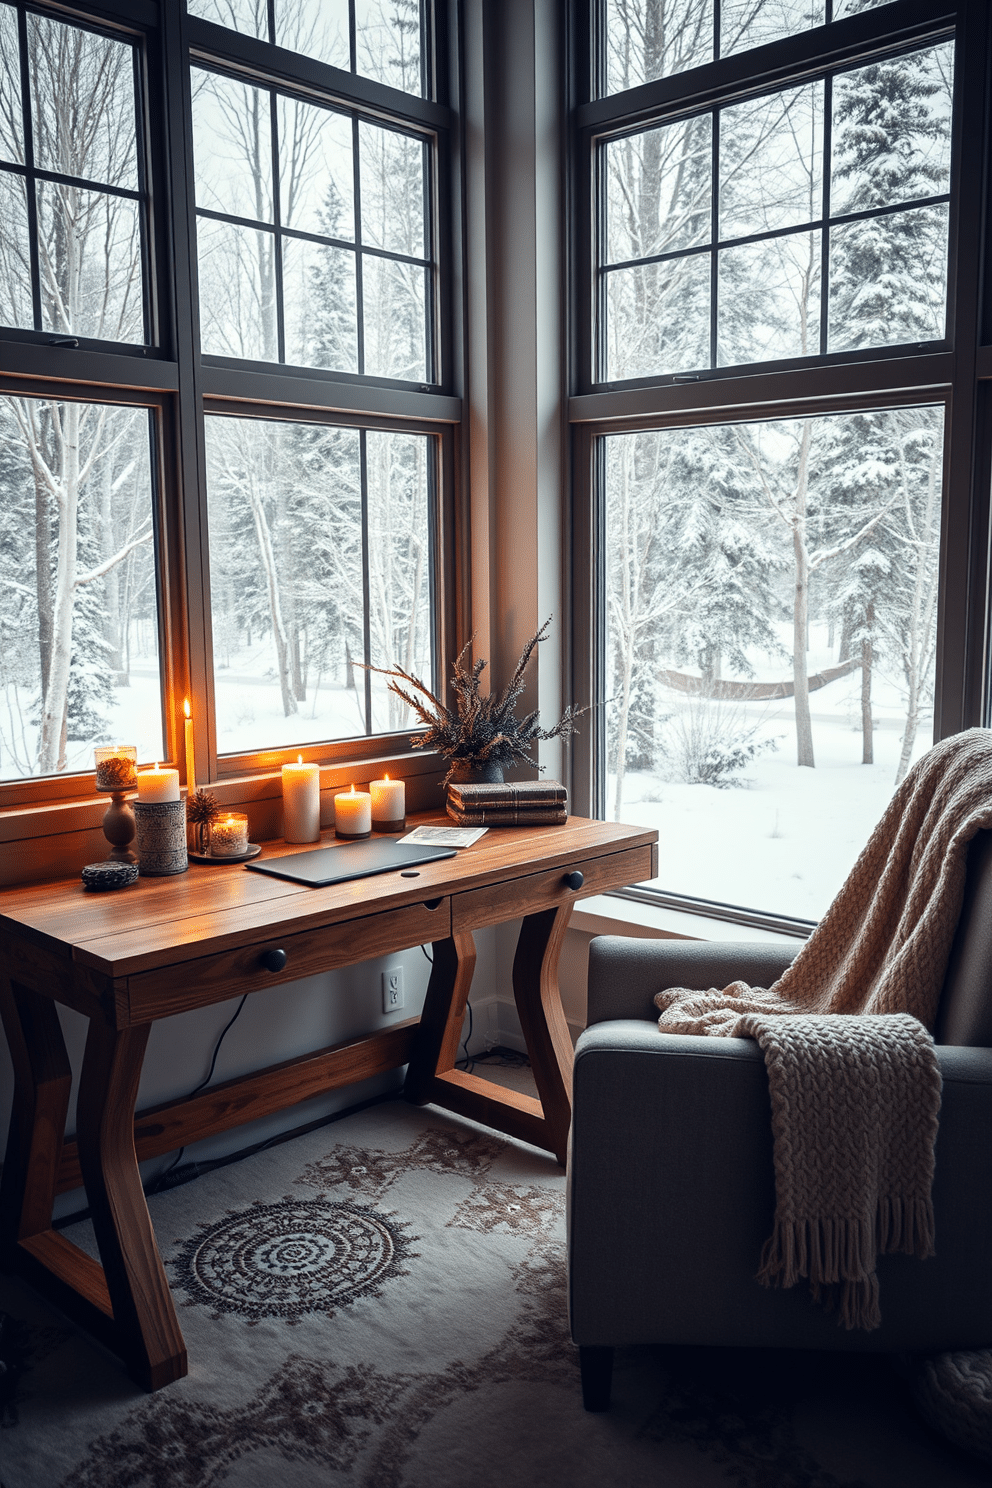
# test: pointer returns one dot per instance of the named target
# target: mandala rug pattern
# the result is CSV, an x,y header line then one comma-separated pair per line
x,y
283,1260
381,1304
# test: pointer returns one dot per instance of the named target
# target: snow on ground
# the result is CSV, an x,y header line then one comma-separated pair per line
x,y
786,839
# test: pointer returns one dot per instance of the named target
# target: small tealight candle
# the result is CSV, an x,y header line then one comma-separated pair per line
x,y
158,784
388,805
301,802
116,767
353,814
229,835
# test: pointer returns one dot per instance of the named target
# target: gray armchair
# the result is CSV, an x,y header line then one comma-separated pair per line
x,y
671,1185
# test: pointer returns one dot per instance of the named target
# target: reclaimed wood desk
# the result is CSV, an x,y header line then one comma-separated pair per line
x,y
170,944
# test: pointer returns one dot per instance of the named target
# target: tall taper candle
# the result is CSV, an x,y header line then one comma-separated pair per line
x,y
301,802
190,759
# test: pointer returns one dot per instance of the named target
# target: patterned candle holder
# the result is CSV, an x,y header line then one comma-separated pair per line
x,y
229,835
161,831
116,774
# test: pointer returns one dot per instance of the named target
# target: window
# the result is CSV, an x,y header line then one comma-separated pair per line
x,y
778,456
225,410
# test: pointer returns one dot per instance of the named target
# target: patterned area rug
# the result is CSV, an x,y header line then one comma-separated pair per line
x,y
381,1304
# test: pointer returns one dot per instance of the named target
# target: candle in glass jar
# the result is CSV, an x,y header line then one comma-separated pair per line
x,y
158,785
116,767
388,804
301,802
229,835
353,814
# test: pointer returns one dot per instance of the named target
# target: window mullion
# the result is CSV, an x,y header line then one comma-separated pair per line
x,y
29,187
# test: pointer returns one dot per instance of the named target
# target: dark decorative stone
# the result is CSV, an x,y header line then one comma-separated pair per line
x,y
110,875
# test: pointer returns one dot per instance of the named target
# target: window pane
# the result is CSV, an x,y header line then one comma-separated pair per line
x,y
316,170
90,258
318,285
79,659
844,8
11,113
286,594
392,171
315,28
771,162
765,797
15,257
82,104
744,24
250,17
399,569
387,38
394,300
232,146
237,291
649,39
658,187
770,300
658,318
891,139
888,279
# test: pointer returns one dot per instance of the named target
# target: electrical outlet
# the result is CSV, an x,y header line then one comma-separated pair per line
x,y
392,989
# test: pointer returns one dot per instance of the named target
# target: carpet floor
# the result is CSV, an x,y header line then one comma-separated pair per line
x,y
381,1303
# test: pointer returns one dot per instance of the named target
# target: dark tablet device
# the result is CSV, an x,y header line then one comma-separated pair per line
x,y
328,865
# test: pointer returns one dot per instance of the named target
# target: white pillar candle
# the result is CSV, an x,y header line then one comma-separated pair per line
x,y
388,802
301,802
353,814
158,785
229,835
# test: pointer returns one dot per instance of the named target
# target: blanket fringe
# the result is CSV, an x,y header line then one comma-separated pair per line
x,y
831,1251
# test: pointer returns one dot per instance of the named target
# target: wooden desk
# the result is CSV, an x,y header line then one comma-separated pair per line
x,y
170,944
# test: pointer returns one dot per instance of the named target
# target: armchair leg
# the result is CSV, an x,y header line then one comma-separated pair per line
x,y
596,1366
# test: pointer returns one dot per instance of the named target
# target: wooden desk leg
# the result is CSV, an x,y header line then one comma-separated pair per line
x,y
42,1080
549,1044
148,1334
436,1047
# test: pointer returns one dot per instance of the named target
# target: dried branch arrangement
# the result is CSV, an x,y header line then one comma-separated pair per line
x,y
478,730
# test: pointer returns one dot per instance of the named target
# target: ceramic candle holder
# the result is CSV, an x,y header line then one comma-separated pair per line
x,y
161,838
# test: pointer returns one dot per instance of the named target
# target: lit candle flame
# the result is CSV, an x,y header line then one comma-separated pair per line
x,y
299,759
385,777
353,788
186,707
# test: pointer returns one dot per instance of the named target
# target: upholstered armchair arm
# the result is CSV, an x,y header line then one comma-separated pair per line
x,y
672,1195
625,974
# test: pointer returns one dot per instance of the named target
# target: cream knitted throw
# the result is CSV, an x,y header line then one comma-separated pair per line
x,y
881,948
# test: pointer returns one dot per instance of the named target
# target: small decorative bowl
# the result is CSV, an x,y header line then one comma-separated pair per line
x,y
100,877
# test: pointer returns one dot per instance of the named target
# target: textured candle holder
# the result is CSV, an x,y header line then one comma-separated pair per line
x,y
161,833
398,824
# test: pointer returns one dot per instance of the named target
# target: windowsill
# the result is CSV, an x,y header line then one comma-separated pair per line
x,y
606,914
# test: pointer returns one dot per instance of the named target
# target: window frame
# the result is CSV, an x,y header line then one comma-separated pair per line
x,y
182,386
956,372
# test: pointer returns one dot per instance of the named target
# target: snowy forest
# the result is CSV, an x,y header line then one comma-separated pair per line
x,y
319,537
771,587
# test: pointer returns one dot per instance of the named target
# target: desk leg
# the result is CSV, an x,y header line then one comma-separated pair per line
x,y
549,1043
432,1076
42,1080
438,1036
148,1334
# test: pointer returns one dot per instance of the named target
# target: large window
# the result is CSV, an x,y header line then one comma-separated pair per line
x,y
780,468
225,420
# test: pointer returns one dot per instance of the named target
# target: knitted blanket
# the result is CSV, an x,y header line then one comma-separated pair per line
x,y
881,948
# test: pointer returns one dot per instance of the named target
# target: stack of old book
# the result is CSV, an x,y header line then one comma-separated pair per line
x,y
524,803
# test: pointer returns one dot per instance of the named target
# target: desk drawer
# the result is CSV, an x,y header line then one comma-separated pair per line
x,y
189,984
522,896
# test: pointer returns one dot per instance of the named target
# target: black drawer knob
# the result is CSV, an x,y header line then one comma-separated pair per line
x,y
574,880
274,960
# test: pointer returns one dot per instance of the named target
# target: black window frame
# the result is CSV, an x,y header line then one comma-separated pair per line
x,y
955,372
181,386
